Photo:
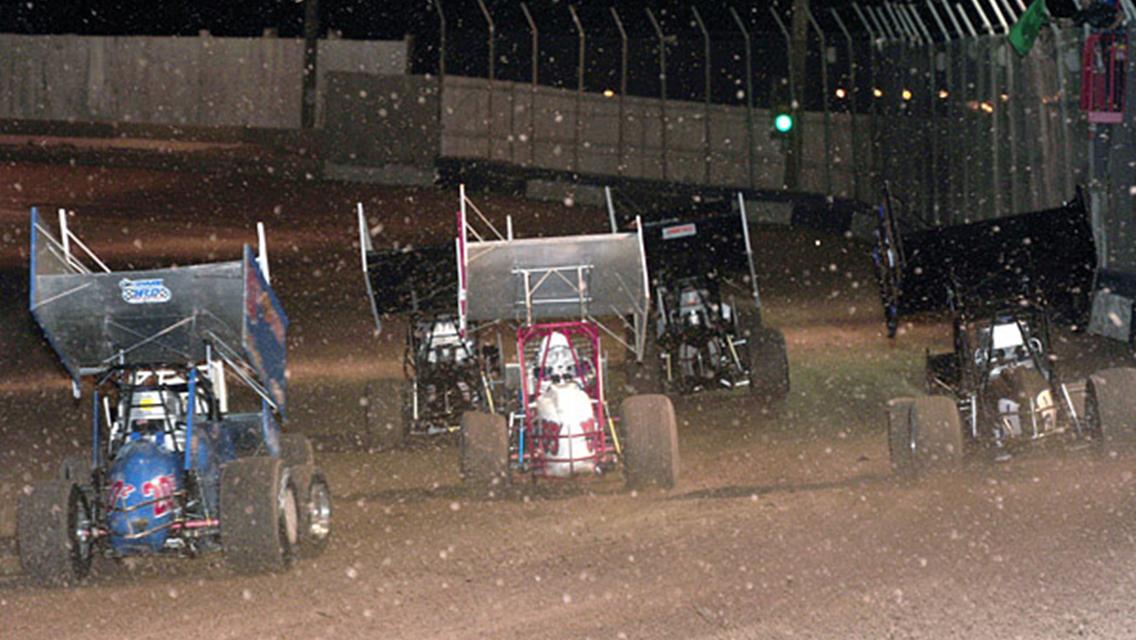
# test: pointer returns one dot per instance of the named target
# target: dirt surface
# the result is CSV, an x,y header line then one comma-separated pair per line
x,y
784,524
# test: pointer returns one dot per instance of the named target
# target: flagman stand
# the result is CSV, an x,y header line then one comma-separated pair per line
x,y
1104,86
1103,66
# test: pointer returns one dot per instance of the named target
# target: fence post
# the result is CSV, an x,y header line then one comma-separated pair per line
x,y
622,85
853,94
492,31
706,95
873,37
932,84
824,103
579,88
441,65
534,77
945,109
1061,86
882,24
995,135
749,96
662,89
888,38
1012,103
792,170
310,78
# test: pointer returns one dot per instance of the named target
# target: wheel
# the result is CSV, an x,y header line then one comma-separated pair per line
x,y
53,530
899,436
385,414
938,432
314,509
930,437
646,376
76,469
650,441
768,364
259,516
484,449
1110,404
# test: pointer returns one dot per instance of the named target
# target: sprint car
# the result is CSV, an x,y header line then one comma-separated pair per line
x,y
171,469
553,420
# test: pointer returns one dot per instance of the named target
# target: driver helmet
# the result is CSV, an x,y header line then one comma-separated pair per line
x,y
556,357
153,413
445,343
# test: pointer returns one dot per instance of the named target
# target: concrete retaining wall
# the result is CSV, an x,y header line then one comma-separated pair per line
x,y
514,123
200,81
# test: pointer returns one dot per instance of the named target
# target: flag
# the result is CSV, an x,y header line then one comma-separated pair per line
x,y
1025,30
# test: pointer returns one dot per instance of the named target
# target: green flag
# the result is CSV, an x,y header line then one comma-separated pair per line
x,y
1025,30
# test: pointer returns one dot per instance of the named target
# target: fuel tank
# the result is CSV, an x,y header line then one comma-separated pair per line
x,y
141,501
570,430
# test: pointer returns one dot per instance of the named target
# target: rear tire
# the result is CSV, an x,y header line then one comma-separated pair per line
x,y
53,529
1110,404
930,438
650,441
484,449
768,364
259,517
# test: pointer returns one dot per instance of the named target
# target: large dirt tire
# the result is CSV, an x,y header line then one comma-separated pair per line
x,y
646,376
314,509
386,413
650,441
899,436
768,364
259,515
53,530
1110,405
484,449
931,437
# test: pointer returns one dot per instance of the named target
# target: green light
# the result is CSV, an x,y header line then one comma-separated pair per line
x,y
783,123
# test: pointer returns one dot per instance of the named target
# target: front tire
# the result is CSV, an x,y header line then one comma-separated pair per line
x,y
930,437
259,516
484,449
1110,404
53,530
768,364
650,441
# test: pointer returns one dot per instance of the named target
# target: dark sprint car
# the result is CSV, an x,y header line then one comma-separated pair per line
x,y
697,337
171,470
1003,282
1000,385
446,373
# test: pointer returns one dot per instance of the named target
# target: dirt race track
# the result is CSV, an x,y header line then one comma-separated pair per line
x,y
783,525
